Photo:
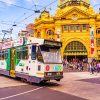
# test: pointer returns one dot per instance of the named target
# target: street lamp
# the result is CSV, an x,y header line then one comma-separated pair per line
x,y
8,31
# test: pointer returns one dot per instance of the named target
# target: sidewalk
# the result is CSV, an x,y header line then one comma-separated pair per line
x,y
81,84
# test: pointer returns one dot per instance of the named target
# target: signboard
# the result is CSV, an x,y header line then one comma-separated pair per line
x,y
92,40
7,45
18,42
53,43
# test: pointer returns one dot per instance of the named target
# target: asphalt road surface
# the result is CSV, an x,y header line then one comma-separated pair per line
x,y
74,86
35,92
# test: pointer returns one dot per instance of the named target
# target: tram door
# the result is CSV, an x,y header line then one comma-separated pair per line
x,y
13,62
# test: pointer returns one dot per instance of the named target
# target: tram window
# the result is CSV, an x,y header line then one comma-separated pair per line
x,y
39,55
33,57
5,54
22,53
18,55
25,53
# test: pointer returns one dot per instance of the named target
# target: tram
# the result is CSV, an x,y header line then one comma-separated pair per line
x,y
31,59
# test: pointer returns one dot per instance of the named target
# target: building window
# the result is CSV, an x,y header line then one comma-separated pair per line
x,y
65,28
50,32
50,35
85,27
72,27
38,35
98,41
98,31
75,27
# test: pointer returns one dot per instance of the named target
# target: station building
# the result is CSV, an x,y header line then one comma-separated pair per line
x,y
76,25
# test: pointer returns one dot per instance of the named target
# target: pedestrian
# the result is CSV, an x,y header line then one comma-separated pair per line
x,y
98,67
81,66
64,63
91,68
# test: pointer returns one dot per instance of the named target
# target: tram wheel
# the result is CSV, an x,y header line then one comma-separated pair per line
x,y
57,79
23,80
43,82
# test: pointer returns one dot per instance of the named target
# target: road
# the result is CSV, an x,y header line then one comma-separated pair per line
x,y
74,86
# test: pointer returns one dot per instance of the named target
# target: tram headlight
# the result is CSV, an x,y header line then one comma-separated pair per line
x,y
58,73
49,74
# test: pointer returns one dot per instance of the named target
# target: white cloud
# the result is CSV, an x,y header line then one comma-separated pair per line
x,y
93,2
28,0
33,1
9,1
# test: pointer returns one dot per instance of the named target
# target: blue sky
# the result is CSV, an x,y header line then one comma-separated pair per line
x,y
10,14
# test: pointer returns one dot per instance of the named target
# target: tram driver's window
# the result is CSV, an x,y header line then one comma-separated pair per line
x,y
33,57
3,55
39,55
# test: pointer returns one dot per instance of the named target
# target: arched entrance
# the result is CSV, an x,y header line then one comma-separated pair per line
x,y
75,50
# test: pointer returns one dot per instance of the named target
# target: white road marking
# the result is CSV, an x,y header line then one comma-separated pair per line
x,y
21,93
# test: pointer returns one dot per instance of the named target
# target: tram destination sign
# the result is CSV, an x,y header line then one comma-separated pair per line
x,y
52,43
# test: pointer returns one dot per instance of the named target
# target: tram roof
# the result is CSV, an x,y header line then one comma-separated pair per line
x,y
29,40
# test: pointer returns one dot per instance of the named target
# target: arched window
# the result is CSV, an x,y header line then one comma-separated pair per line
x,y
75,48
50,32
38,35
98,31
50,35
98,41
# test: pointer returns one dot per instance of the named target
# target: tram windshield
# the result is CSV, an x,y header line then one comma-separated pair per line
x,y
51,54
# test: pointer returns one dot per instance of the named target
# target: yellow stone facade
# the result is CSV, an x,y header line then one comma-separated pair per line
x,y
75,23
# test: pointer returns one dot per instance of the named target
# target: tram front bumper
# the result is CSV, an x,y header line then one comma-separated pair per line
x,y
53,76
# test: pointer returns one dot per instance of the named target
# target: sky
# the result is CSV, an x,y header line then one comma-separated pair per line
x,y
21,13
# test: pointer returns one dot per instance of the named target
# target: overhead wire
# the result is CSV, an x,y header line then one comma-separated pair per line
x,y
39,9
29,10
16,6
